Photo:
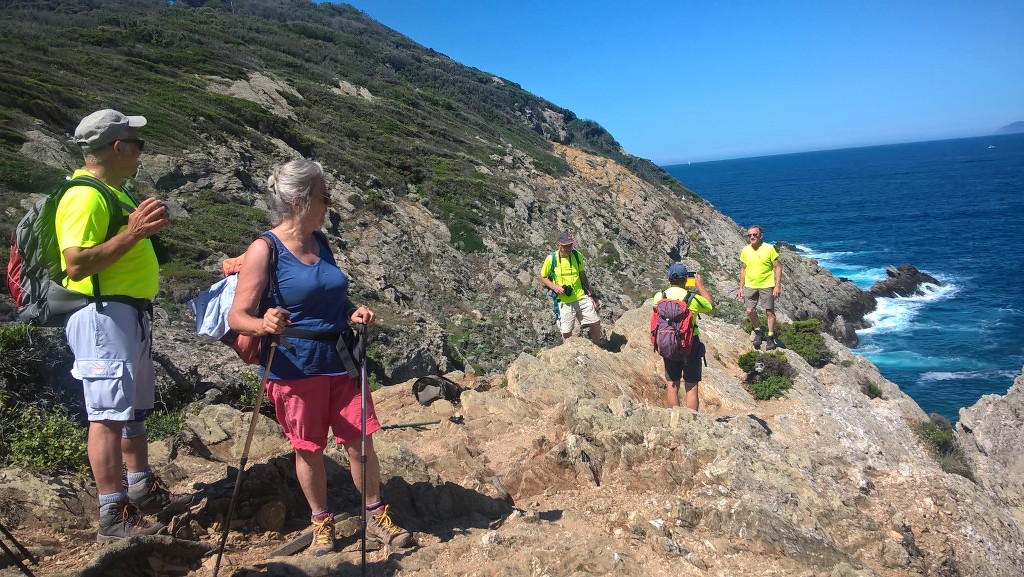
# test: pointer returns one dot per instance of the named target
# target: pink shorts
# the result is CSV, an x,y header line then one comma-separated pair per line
x,y
307,407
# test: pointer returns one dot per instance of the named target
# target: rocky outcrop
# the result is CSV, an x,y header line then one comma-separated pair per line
x,y
904,281
260,89
568,461
994,441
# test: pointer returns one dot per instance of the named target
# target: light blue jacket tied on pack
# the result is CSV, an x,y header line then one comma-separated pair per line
x,y
211,307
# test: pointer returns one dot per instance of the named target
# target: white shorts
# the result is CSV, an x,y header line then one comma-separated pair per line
x,y
582,310
114,361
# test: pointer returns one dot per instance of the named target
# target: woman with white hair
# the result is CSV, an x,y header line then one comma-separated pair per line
x,y
308,383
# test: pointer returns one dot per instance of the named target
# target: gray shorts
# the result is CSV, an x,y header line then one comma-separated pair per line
x,y
113,359
752,295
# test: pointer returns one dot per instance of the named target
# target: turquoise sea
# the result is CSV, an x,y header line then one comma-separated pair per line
x,y
952,208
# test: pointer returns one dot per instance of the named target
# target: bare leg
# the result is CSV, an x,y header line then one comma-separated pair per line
x,y
770,313
104,450
752,315
372,469
671,393
595,333
692,396
136,453
309,468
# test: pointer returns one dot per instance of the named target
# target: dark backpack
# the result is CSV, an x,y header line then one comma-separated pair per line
x,y
34,274
430,388
574,256
672,328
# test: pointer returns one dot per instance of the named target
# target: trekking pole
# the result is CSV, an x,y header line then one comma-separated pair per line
x,y
407,425
24,569
363,391
245,454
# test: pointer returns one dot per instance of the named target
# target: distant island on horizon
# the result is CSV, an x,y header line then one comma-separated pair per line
x,y
1012,128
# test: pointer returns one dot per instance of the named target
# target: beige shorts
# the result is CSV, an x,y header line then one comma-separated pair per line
x,y
766,296
582,310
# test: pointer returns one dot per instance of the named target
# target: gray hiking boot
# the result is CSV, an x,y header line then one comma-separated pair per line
x,y
771,343
151,497
122,520
323,537
381,528
758,337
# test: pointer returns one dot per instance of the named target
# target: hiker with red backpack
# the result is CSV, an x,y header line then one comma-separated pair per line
x,y
675,335
572,298
116,271
303,295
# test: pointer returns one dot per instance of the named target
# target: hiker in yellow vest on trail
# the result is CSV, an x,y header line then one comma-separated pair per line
x,y
563,273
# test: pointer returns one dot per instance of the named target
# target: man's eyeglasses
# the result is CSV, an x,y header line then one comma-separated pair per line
x,y
141,143
754,235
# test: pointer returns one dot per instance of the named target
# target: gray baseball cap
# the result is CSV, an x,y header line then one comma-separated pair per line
x,y
103,127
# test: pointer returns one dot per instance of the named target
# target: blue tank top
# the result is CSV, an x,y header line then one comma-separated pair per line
x,y
316,295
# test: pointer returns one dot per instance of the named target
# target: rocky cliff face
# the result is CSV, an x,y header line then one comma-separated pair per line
x,y
567,464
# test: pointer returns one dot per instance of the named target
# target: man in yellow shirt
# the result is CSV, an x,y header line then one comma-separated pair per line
x,y
563,274
110,337
760,281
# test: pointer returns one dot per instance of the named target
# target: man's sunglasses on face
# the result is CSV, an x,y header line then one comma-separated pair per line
x,y
140,142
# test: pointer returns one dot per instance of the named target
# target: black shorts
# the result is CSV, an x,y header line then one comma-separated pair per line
x,y
691,370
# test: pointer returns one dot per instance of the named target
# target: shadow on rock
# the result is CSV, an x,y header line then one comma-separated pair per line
x,y
147,555
445,510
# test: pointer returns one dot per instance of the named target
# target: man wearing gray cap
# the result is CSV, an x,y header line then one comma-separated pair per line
x,y
116,269
564,275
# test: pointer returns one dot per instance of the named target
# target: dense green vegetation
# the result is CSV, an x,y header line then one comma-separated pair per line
x,y
874,391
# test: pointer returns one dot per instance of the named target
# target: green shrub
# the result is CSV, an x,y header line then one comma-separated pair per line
x,y
944,446
802,337
760,318
14,336
805,339
245,395
874,391
164,424
771,387
768,373
46,441
747,361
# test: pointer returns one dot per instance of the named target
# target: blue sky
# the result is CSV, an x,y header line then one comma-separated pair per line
x,y
689,80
